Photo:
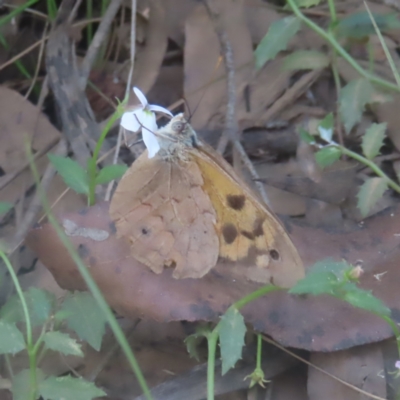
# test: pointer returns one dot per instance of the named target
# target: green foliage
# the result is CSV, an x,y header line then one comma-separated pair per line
x,y
72,173
40,304
306,136
192,341
21,384
307,3
85,318
373,140
231,337
5,207
353,99
276,39
305,59
68,388
370,192
325,128
334,278
327,156
62,343
359,25
11,339
110,172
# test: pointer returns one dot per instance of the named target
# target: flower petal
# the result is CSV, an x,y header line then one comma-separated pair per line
x,y
154,107
141,96
148,120
130,122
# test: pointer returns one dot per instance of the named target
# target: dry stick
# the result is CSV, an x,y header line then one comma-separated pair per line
x,y
355,388
231,125
101,33
39,62
127,89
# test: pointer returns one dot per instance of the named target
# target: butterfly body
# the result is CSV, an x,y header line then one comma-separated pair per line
x,y
185,208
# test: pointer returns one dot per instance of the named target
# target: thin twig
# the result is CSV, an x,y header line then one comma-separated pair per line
x,y
97,41
127,90
231,126
39,62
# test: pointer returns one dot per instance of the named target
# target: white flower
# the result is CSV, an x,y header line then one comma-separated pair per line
x,y
143,117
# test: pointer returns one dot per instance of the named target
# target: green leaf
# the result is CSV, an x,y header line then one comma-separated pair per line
x,y
306,136
353,98
327,156
62,343
370,192
364,299
5,206
110,172
192,343
324,277
73,174
68,388
11,339
40,304
359,25
86,318
325,128
373,140
21,384
305,59
231,337
276,39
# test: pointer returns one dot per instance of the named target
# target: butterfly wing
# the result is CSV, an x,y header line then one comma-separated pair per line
x,y
161,208
250,234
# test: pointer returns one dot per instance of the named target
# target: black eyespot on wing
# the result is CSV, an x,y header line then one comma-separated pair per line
x,y
229,232
274,254
236,201
258,228
145,231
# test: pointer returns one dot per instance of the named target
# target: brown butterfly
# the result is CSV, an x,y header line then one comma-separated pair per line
x,y
185,208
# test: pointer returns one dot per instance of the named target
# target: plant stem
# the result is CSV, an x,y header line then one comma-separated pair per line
x,y
332,11
395,330
255,295
341,51
370,164
259,351
92,163
90,283
29,341
212,340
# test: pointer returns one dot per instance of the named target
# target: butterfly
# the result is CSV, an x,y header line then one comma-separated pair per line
x,y
186,209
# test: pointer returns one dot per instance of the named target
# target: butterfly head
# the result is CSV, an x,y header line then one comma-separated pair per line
x,y
177,135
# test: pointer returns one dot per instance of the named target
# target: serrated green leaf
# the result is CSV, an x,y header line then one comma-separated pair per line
x,y
353,99
62,343
72,173
5,207
276,39
306,136
373,140
86,318
110,172
370,192
324,277
325,128
68,388
21,384
305,59
40,304
359,25
192,343
327,156
11,339
364,299
232,330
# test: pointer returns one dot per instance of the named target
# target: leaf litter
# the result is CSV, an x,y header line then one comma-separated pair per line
x,y
179,56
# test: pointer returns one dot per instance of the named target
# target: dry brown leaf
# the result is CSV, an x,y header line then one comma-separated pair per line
x,y
204,86
327,323
21,120
360,366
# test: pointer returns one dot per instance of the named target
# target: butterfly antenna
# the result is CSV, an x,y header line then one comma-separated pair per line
x,y
205,91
